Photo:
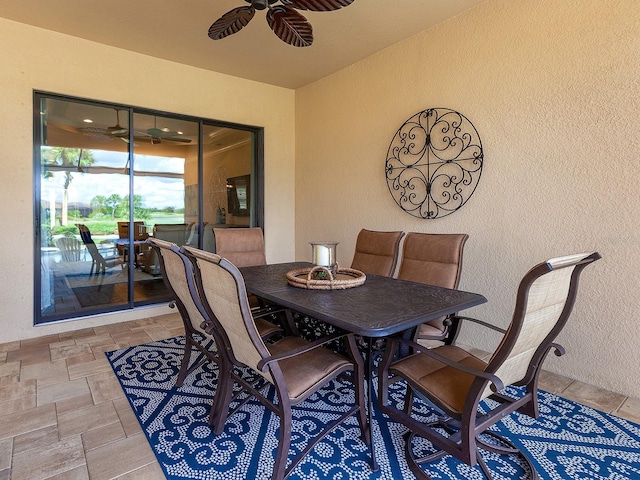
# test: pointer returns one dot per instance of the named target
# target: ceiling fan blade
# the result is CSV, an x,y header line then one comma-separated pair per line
x,y
176,139
118,130
318,5
154,132
290,26
231,22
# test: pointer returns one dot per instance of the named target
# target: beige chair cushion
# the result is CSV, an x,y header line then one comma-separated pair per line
x,y
437,380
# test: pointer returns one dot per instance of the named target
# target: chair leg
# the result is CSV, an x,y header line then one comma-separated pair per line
x,y
222,398
408,400
413,462
507,449
184,366
284,441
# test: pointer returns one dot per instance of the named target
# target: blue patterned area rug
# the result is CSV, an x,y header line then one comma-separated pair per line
x,y
567,441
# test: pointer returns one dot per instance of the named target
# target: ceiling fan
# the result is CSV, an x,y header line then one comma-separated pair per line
x,y
288,24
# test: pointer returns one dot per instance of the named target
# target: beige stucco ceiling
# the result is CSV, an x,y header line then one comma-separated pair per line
x,y
177,31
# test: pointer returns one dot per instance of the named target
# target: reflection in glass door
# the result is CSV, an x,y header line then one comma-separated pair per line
x,y
165,192
108,177
228,159
84,191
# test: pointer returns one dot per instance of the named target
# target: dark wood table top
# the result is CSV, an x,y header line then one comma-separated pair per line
x,y
381,307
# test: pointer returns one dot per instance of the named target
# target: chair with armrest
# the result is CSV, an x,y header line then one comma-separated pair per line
x,y
179,277
177,273
434,259
377,252
293,367
98,261
456,381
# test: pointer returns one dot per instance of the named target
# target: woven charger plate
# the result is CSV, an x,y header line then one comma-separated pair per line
x,y
345,278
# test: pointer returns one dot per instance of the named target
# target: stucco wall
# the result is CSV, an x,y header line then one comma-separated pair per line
x,y
553,88
42,60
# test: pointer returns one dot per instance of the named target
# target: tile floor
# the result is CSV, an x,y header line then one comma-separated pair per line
x,y
63,414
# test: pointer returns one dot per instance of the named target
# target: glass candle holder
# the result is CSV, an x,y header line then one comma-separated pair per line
x,y
323,254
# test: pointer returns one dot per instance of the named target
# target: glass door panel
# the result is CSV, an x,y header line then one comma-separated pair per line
x,y
228,173
165,193
107,177
83,187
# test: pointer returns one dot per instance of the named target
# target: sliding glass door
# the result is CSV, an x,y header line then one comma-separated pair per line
x,y
109,176
227,171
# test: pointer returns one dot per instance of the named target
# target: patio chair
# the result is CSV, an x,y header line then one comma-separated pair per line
x,y
377,252
293,367
70,249
178,275
99,262
244,247
455,381
433,259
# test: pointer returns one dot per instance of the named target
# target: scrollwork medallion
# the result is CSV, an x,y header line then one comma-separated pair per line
x,y
434,163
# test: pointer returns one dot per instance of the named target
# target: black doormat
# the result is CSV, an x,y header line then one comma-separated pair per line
x,y
116,293
98,294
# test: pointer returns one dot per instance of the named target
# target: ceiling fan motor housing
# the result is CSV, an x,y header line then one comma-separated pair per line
x,y
260,4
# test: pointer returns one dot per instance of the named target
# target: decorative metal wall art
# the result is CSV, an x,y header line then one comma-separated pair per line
x,y
434,163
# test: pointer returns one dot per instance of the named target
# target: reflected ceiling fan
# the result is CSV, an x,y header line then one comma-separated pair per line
x,y
109,133
153,135
288,24
158,134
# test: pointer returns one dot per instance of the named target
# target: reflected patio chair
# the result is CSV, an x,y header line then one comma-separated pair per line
x,y
99,262
456,381
70,249
433,259
139,234
377,252
169,232
293,367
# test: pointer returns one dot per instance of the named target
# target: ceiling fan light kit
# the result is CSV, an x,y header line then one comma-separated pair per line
x,y
285,21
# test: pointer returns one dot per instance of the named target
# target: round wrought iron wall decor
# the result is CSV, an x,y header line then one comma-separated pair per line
x,y
434,163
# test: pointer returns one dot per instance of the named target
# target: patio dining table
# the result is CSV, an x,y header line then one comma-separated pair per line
x,y
124,244
380,307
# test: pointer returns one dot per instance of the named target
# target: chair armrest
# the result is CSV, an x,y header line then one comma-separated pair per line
x,y
558,350
499,385
266,311
476,321
262,364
